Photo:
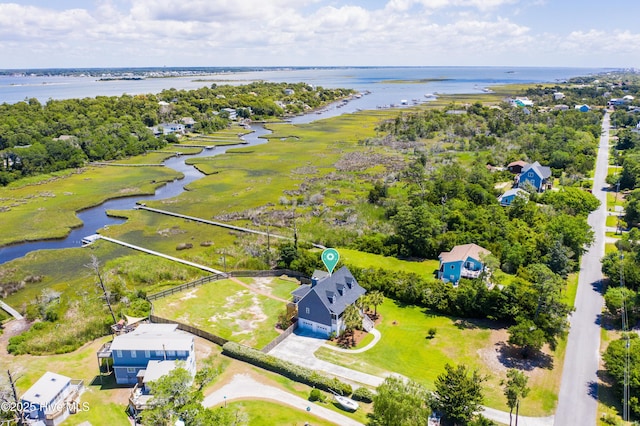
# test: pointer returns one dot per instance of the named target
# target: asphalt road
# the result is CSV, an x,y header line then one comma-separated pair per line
x,y
577,402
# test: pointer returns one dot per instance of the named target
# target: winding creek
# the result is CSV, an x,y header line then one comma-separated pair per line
x,y
95,218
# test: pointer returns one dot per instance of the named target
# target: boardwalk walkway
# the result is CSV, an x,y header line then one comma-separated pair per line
x,y
220,224
10,310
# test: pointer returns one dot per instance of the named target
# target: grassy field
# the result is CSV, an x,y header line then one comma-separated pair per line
x,y
360,259
230,310
266,413
405,349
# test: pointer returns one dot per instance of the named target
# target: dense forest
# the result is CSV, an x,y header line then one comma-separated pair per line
x,y
61,134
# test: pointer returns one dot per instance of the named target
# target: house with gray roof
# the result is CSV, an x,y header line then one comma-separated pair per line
x,y
536,175
321,305
509,196
133,352
51,399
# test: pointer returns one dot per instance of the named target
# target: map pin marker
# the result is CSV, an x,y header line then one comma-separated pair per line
x,y
330,258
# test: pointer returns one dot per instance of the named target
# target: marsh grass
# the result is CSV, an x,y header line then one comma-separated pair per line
x,y
45,207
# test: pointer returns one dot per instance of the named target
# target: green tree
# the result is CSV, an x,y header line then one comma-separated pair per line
x,y
515,389
458,394
352,320
400,402
526,335
376,298
615,357
177,396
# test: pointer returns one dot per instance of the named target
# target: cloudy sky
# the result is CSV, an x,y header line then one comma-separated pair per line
x,y
118,33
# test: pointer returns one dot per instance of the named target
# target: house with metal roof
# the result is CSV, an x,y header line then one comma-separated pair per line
x,y
133,352
509,196
321,305
464,261
536,175
51,399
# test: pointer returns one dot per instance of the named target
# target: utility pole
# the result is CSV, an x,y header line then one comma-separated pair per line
x,y
295,230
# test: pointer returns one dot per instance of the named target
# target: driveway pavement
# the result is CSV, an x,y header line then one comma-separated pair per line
x,y
299,348
244,387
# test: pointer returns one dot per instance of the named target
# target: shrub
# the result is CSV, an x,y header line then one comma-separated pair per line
x,y
286,368
363,394
317,395
432,332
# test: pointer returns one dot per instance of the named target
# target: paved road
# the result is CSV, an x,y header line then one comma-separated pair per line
x,y
244,387
577,402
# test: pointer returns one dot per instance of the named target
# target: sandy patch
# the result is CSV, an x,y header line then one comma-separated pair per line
x,y
189,295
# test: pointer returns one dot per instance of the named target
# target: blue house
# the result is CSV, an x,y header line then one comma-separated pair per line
x,y
461,262
321,305
583,108
507,198
134,352
536,175
51,399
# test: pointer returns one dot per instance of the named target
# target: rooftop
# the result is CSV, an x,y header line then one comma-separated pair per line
x,y
46,389
154,337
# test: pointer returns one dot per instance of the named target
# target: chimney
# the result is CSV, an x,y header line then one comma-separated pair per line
x,y
314,281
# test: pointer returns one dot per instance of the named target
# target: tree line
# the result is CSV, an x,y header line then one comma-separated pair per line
x,y
40,138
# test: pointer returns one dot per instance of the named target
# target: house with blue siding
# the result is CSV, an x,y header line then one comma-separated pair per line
x,y
463,261
134,352
509,196
536,175
51,399
321,305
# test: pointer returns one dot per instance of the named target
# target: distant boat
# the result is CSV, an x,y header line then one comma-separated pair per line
x,y
430,96
346,403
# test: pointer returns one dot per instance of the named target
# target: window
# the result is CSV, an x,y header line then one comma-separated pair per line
x,y
171,353
133,354
453,266
182,353
530,174
147,354
159,353
308,311
131,370
119,354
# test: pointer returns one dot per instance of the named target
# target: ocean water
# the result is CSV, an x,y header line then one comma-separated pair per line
x,y
390,85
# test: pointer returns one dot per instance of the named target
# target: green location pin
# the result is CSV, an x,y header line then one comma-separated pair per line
x,y
330,258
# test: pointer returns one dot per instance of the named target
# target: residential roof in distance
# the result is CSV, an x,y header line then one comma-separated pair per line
x,y
542,171
461,253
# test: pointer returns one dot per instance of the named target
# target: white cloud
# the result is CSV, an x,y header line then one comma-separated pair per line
x,y
294,32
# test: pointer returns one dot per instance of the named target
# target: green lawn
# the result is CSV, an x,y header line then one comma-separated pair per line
x,y
266,413
361,259
229,310
405,349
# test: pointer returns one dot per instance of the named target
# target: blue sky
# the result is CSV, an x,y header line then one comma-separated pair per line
x,y
117,33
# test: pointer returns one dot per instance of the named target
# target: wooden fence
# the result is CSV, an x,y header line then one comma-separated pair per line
x,y
280,338
185,286
266,273
189,329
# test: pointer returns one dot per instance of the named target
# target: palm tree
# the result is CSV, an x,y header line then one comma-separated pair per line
x,y
376,298
352,320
